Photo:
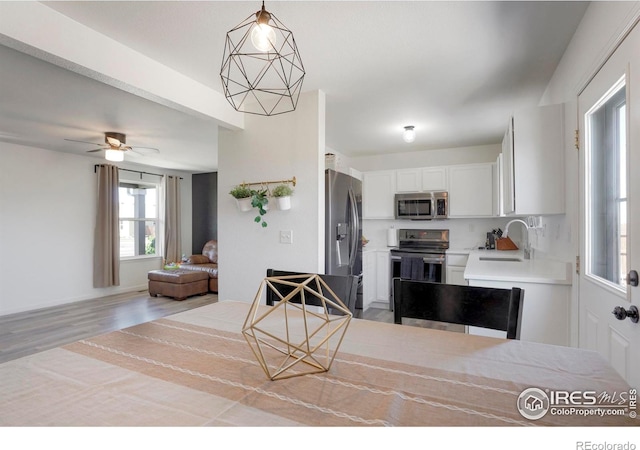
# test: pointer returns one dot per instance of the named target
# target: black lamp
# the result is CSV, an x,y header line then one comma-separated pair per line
x,y
261,70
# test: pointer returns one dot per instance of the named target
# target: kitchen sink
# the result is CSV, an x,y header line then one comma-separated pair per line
x,y
489,258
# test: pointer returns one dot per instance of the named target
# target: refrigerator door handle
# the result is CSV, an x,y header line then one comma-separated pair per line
x,y
353,229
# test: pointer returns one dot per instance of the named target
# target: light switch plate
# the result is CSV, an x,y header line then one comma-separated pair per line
x,y
286,236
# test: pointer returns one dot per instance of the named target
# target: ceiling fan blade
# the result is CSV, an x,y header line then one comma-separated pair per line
x,y
146,149
96,150
84,142
113,142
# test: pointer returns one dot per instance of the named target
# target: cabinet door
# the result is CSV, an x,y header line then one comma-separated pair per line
x,y
538,160
408,180
508,202
378,190
497,188
471,190
434,179
368,279
455,275
383,273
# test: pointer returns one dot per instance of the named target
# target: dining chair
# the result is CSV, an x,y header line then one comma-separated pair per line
x,y
344,286
497,309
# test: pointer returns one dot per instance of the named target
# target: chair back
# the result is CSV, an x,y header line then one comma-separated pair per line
x,y
497,309
344,286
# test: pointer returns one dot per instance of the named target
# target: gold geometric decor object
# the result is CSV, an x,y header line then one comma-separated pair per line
x,y
302,332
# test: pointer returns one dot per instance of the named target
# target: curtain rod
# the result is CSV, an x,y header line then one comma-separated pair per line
x,y
95,169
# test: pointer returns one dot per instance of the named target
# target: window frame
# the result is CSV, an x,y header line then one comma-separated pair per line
x,y
137,184
612,101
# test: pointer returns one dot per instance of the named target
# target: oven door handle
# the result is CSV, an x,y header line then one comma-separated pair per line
x,y
433,260
426,259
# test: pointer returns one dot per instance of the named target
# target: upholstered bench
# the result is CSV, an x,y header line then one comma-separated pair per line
x,y
177,283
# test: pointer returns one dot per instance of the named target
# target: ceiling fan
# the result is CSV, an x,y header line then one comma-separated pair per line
x,y
116,146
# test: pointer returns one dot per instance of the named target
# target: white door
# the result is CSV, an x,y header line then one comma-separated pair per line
x,y
609,122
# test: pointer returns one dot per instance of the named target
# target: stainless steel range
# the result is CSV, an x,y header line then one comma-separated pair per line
x,y
420,255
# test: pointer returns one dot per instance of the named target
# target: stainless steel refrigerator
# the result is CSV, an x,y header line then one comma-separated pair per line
x,y
343,227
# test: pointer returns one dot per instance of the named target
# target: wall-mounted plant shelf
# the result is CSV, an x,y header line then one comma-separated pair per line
x,y
248,197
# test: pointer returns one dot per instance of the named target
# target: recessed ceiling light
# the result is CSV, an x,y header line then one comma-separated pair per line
x,y
409,134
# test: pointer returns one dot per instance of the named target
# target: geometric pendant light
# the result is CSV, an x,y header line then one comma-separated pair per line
x,y
261,72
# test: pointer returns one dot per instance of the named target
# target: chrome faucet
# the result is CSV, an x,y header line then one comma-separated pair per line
x,y
527,246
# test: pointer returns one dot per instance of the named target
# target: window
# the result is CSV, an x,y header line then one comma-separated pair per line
x,y
606,133
138,219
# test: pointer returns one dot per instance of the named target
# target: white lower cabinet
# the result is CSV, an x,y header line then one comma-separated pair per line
x,y
376,273
383,272
545,314
368,278
456,263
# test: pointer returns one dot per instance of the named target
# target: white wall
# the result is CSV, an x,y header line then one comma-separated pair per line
x,y
47,217
272,148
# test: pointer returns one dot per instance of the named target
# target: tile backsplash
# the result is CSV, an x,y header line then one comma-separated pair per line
x,y
463,233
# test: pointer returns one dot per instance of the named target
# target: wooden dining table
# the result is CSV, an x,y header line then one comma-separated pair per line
x,y
196,368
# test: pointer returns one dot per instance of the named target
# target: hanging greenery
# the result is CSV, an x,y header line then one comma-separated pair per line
x,y
259,200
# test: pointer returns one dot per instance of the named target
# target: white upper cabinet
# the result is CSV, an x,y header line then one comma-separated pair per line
x,y
498,190
533,162
434,178
408,180
378,191
421,179
471,190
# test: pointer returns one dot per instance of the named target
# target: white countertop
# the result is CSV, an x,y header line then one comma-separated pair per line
x,y
458,251
546,271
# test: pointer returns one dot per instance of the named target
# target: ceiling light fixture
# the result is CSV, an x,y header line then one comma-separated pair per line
x,y
409,134
261,70
114,155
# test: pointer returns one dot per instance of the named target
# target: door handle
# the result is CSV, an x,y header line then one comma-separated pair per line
x,y
632,278
631,313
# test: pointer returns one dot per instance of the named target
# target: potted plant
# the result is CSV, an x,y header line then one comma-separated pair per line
x,y
259,200
282,193
242,194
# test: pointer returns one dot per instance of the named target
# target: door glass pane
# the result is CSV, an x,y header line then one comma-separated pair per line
x,y
606,138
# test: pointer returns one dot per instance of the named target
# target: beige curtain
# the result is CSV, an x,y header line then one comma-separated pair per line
x,y
106,245
172,232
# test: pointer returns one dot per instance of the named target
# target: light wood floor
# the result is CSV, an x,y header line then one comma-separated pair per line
x,y
31,332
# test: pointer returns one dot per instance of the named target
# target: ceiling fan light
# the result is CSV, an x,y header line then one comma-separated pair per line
x,y
114,155
409,134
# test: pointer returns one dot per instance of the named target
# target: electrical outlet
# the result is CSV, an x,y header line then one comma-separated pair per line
x,y
286,236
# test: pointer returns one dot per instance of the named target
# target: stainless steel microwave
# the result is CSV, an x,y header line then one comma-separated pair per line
x,y
422,205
